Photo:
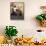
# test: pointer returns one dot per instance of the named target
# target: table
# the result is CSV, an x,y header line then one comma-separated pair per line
x,y
25,44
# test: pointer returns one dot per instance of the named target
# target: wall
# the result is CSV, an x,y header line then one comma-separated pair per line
x,y
27,26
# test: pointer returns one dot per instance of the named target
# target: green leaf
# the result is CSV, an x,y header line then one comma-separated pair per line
x,y
45,17
40,18
11,31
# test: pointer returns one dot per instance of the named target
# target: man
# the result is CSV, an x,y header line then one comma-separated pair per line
x,y
16,13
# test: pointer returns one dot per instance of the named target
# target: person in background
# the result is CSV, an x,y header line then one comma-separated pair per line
x,y
16,11
13,11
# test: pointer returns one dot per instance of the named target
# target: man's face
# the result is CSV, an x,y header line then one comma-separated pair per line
x,y
14,9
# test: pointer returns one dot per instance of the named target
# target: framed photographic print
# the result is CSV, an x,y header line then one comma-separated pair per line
x,y
17,10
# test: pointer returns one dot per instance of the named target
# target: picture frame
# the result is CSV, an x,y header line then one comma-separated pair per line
x,y
17,10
